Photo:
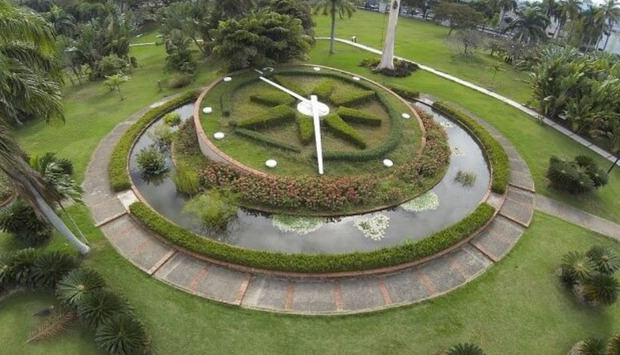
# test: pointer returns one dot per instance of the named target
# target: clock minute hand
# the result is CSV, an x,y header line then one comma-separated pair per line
x,y
280,87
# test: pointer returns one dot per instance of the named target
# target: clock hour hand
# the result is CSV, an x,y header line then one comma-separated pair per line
x,y
282,88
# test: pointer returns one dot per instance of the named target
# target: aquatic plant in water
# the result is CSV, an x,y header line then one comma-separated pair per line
x,y
373,227
466,179
427,201
299,225
457,151
446,124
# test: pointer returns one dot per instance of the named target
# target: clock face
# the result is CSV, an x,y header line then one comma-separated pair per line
x,y
271,118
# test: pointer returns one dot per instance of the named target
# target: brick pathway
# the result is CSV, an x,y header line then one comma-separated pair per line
x,y
303,295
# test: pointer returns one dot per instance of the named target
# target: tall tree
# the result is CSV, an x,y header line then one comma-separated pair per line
x,y
29,85
529,27
610,12
567,10
333,7
505,6
387,58
459,16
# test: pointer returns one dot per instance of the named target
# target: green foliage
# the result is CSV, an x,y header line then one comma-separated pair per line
x,y
114,82
122,334
342,129
187,181
267,140
162,135
402,68
290,83
351,115
613,345
6,190
21,221
226,98
112,65
465,178
215,208
605,261
179,53
51,267
324,89
576,267
77,284
591,275
271,117
172,119
259,39
272,98
297,9
100,305
117,169
16,268
305,128
601,289
351,98
405,93
152,162
493,149
459,16
179,80
579,176
465,349
313,262
590,346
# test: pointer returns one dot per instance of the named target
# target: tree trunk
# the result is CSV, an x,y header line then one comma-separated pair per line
x,y
387,58
501,17
333,30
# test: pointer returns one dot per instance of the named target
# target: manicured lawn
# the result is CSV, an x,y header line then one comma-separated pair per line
x,y
427,43
517,307
535,142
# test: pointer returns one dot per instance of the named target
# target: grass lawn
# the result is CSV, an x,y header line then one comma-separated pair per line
x,y
535,142
520,296
427,43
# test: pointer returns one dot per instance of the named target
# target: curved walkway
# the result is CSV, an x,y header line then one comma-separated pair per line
x,y
513,103
302,295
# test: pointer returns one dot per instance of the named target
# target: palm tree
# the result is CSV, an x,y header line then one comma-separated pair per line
x,y
387,58
530,26
505,6
62,21
593,24
568,10
610,12
29,87
333,7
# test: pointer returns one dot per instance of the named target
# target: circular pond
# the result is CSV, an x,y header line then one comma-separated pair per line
x,y
460,191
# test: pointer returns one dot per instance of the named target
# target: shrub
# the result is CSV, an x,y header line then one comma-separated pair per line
x,y
613,345
576,267
465,349
348,98
187,181
111,65
21,221
604,260
6,190
601,289
273,116
215,208
493,149
51,267
272,98
267,140
99,306
590,275
357,116
152,162
313,262
65,165
579,176
161,135
305,127
17,267
226,99
402,68
340,128
117,169
123,335
172,119
179,80
405,93
589,346
77,284
324,89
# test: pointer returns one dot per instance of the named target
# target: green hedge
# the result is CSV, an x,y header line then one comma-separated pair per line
x,y
357,116
342,129
267,140
117,169
291,85
343,98
494,150
324,89
239,81
313,263
273,116
305,127
405,93
272,98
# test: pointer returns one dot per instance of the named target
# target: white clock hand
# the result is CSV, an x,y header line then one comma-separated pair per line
x,y
292,93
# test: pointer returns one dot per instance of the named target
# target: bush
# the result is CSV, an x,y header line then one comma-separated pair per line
x,y
111,65
215,208
590,275
267,140
187,181
273,116
465,349
77,284
348,98
579,176
401,69
313,262
21,221
324,89
604,260
99,306
576,267
357,116
51,267
179,80
601,289
16,268
405,93
226,97
172,119
493,149
305,127
152,162
589,346
122,334
272,98
340,128
117,169
613,345
161,135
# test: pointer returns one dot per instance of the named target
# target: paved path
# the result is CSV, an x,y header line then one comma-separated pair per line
x,y
301,295
493,94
